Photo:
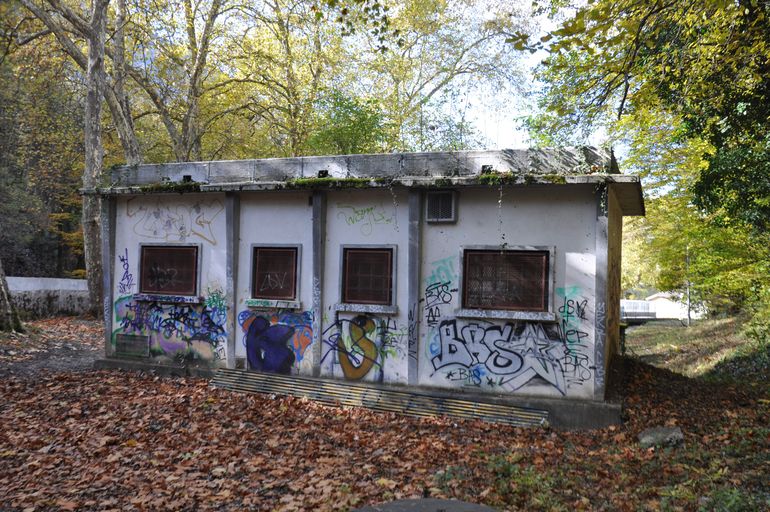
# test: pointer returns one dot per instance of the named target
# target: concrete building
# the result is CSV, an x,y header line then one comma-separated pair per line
x,y
491,271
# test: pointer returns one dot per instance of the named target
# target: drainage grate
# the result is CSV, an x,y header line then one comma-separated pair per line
x,y
132,345
384,400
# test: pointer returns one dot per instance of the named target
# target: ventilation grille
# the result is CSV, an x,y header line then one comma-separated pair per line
x,y
132,345
420,403
440,207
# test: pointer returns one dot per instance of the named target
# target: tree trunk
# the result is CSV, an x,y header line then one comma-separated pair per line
x,y
94,154
125,125
9,318
118,105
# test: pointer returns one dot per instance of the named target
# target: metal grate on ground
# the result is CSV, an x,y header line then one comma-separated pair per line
x,y
420,404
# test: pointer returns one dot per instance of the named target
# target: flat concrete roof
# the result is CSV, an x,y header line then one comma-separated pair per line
x,y
509,167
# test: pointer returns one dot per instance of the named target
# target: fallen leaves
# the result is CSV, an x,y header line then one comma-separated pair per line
x,y
124,441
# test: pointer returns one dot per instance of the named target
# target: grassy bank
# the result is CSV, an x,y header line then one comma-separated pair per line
x,y
708,349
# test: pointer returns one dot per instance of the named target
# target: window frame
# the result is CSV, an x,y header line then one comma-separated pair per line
x,y
360,307
282,302
170,297
511,314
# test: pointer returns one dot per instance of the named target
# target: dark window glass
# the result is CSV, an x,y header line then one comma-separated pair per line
x,y
512,280
274,273
367,276
169,270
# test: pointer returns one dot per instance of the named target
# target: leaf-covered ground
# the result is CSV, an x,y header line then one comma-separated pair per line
x,y
126,441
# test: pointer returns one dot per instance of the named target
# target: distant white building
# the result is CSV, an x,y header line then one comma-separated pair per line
x,y
674,305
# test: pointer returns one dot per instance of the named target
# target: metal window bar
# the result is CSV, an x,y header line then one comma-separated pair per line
x,y
509,280
367,276
275,273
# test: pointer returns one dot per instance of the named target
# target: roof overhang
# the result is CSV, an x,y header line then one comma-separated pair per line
x,y
527,167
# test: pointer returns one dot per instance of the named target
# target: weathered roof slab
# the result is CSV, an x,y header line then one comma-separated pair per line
x,y
457,168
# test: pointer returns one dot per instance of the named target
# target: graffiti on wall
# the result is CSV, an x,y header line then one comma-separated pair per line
x,y
412,331
215,299
601,319
443,270
276,341
360,345
186,331
437,295
174,222
126,283
366,217
572,314
509,356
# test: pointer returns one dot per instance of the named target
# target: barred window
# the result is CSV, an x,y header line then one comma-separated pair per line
x,y
169,269
274,273
507,279
367,276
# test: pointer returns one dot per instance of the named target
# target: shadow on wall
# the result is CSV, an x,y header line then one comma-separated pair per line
x,y
40,297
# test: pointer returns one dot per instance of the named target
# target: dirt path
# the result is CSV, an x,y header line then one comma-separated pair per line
x,y
62,344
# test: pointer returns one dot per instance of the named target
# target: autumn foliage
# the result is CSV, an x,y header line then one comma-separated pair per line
x,y
129,441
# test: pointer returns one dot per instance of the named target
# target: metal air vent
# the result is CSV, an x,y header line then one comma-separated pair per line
x,y
441,206
132,345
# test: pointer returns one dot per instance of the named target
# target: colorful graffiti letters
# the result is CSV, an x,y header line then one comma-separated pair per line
x,y
173,327
266,346
357,362
215,299
442,271
362,343
510,355
275,342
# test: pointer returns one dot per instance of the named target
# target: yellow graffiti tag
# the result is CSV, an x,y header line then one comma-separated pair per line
x,y
360,341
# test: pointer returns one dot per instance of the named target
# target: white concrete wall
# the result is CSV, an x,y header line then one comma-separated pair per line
x,y
282,336
497,355
196,331
36,297
365,218
549,357
32,284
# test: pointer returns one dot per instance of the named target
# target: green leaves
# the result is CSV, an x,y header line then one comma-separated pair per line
x,y
348,126
683,87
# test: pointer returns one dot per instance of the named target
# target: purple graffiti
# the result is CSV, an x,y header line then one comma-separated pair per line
x,y
266,346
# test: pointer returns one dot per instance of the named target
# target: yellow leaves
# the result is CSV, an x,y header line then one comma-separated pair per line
x,y
387,483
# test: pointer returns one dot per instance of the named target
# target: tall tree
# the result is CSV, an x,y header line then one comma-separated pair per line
x,y
9,318
94,151
444,45
684,86
706,62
